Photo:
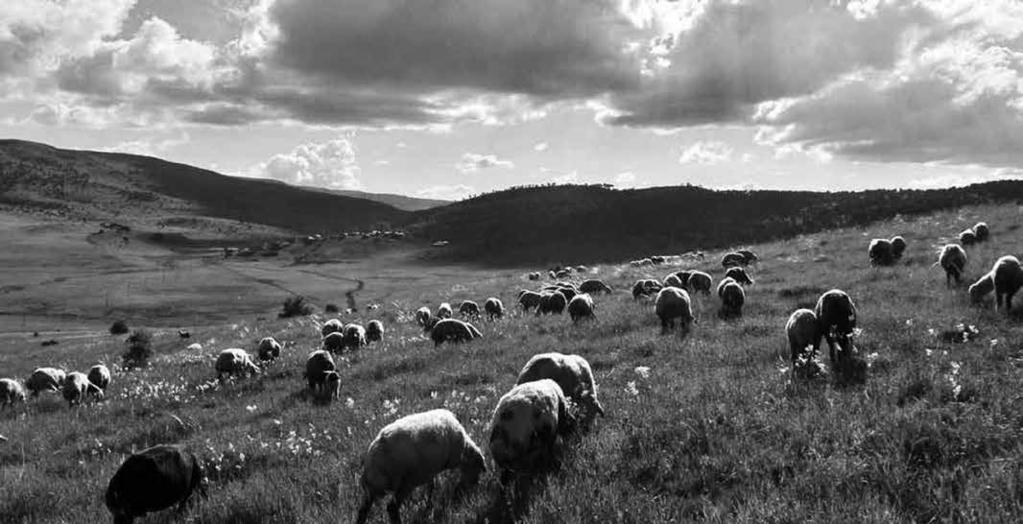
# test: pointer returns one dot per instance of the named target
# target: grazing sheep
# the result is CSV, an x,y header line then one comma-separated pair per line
x,y
581,269
553,302
194,347
733,259
836,316
748,256
534,275
10,392
594,286
269,349
444,310
880,252
76,386
235,361
334,342
100,376
739,275
331,326
354,337
571,372
898,246
804,334
568,292
45,379
411,451
525,427
529,300
494,308
645,287
374,331
981,288
1008,278
423,315
551,275
968,238
453,330
672,303
564,273
672,280
317,365
683,276
981,231
700,281
732,298
469,309
154,479
580,307
953,260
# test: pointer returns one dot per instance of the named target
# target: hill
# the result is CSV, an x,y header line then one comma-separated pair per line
x,y
405,203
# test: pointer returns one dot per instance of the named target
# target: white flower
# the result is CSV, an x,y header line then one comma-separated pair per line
x,y
643,371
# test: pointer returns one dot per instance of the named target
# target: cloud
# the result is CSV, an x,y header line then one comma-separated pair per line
x,y
473,162
541,147
625,179
706,153
453,192
329,164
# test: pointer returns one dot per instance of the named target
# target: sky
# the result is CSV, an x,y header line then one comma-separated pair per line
x,y
451,98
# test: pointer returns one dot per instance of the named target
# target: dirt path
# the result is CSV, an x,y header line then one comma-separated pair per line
x,y
350,294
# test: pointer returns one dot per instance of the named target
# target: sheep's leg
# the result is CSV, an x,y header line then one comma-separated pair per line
x,y
1008,302
367,504
394,508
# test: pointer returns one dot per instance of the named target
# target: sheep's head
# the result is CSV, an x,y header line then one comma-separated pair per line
x,y
472,464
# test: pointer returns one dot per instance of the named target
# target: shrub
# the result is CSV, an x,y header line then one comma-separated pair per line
x,y
295,307
331,308
119,327
140,348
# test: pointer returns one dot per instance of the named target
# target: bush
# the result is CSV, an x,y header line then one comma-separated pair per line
x,y
295,307
331,308
140,348
119,328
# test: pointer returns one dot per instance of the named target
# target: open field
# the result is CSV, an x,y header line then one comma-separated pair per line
x,y
715,430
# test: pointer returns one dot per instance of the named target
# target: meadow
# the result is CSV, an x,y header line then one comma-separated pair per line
x,y
709,427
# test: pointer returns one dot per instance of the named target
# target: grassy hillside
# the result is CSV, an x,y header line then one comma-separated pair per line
x,y
713,430
405,203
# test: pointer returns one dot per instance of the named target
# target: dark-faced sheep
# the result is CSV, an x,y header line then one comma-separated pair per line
x,y
453,330
898,246
880,252
334,342
526,426
444,310
732,298
354,337
581,307
469,309
953,260
739,275
331,326
11,392
683,276
733,259
45,379
494,308
233,362
836,316
100,376
981,231
410,452
268,350
804,335
572,373
968,238
553,302
1008,278
748,256
672,280
423,315
699,282
529,300
318,367
534,276
374,331
154,479
594,286
981,288
77,386
674,303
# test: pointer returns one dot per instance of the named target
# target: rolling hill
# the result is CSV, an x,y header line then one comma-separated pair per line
x,y
405,203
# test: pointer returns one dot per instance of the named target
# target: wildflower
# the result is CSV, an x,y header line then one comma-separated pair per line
x,y
631,388
250,408
643,371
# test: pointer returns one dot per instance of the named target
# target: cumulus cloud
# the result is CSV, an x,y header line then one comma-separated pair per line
x,y
541,147
328,164
473,162
706,153
452,192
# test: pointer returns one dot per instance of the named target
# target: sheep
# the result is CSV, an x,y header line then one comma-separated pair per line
x,y
804,334
321,374
194,347
100,376
564,273
494,308
354,337
76,386
568,293
529,300
334,342
645,287
469,309
45,379
672,303
374,331
154,479
553,302
581,269
11,391
423,315
981,231
981,288
898,246
444,310
1008,277
880,252
411,451
580,307
672,280
739,275
699,281
268,350
953,260
534,275
571,372
836,318
234,361
453,330
525,427
683,276
733,259
331,326
748,256
967,237
594,286
732,298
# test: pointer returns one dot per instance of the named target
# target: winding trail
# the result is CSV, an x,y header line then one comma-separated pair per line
x,y
350,294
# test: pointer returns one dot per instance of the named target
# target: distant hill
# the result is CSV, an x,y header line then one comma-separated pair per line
x,y
405,203
97,185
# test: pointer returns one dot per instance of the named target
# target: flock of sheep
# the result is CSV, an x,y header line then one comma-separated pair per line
x,y
554,393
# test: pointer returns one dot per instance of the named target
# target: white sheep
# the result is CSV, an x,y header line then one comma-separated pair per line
x,y
268,349
444,310
76,386
411,451
234,361
836,316
699,281
953,260
331,326
374,331
804,335
525,427
11,391
572,373
580,307
99,375
594,286
423,316
453,330
194,347
494,308
674,303
45,379
880,252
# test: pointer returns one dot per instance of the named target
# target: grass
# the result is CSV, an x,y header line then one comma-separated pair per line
x,y
713,430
